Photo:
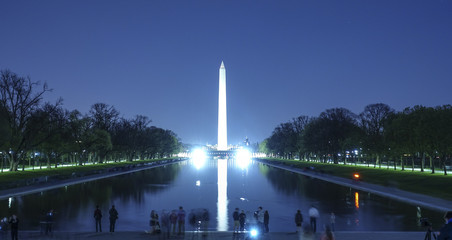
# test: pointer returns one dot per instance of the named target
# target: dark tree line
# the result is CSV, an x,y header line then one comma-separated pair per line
x,y
32,130
416,136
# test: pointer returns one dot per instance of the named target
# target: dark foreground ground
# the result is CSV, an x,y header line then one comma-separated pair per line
x,y
218,235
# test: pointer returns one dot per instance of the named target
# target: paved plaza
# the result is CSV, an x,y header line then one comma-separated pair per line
x,y
219,235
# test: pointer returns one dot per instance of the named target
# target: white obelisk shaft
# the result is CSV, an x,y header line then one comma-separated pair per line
x,y
222,119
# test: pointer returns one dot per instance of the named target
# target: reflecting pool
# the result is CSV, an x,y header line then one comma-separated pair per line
x,y
220,186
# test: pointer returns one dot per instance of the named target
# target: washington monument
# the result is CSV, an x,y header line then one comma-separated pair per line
x,y
222,117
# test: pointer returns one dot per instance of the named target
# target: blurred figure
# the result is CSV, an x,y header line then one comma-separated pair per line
x,y
332,221
313,215
327,234
235,217
205,222
165,224
306,234
418,215
242,219
49,221
260,219
113,217
173,221
14,222
181,220
98,218
418,212
298,220
3,227
192,220
153,221
446,230
157,224
266,220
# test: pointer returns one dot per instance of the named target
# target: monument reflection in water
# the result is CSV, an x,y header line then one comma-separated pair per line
x,y
220,186
222,203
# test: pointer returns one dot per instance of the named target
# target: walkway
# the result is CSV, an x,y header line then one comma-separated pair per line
x,y
394,193
221,236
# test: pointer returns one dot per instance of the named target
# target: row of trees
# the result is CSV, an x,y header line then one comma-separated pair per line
x,y
377,134
31,129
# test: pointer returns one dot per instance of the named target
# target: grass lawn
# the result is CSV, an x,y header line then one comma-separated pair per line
x,y
62,172
435,185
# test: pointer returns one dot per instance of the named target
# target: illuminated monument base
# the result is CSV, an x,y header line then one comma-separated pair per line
x,y
220,154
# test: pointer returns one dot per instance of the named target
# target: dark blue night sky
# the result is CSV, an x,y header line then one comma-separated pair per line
x,y
283,58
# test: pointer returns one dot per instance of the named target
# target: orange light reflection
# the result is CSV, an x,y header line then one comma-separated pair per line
x,y
356,199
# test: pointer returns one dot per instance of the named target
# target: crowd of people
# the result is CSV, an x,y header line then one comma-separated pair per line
x,y
173,223
311,228
169,223
13,221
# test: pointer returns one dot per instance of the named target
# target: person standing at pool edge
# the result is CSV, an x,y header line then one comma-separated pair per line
x,y
14,221
113,216
266,220
98,218
49,221
298,220
181,220
313,215
153,221
173,221
235,217
242,219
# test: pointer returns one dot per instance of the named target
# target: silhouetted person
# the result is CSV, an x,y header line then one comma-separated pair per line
x,y
153,221
242,219
266,220
49,221
157,224
181,220
446,230
205,221
235,217
173,221
192,220
14,222
113,217
298,220
98,218
165,224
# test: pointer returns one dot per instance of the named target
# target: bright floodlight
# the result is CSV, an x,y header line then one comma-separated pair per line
x,y
199,158
253,232
243,158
